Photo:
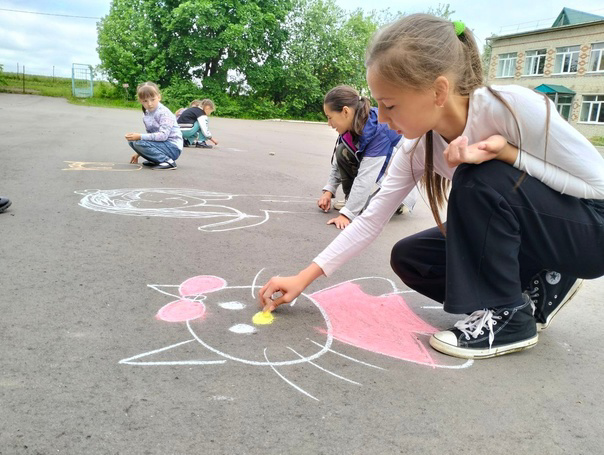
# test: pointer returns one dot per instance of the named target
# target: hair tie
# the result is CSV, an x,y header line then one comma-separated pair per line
x,y
460,27
360,97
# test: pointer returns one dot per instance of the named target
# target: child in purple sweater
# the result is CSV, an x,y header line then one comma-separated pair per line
x,y
162,144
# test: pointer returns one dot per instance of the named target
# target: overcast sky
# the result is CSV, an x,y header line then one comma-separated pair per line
x,y
43,40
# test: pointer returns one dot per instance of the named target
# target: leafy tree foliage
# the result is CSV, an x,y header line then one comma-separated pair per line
x,y
128,46
326,47
256,58
175,40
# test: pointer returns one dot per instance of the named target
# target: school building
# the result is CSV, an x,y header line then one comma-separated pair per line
x,y
564,61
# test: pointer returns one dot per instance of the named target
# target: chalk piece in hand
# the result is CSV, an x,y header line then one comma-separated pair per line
x,y
271,153
263,318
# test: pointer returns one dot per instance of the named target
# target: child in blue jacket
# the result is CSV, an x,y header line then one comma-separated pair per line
x,y
363,151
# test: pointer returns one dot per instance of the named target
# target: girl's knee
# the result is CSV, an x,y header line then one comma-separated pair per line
x,y
401,251
139,143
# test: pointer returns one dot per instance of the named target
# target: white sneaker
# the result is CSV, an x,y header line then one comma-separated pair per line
x,y
339,205
403,209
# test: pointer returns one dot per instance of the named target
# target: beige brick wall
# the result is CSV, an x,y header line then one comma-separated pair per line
x,y
583,82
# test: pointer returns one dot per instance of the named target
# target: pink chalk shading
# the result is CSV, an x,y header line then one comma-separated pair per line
x,y
181,311
201,284
384,325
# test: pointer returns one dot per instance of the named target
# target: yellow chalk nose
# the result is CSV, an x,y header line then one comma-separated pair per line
x,y
263,318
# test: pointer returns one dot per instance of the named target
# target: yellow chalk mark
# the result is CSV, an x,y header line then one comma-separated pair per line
x,y
100,166
263,318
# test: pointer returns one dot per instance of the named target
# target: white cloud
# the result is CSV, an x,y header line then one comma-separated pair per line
x,y
40,41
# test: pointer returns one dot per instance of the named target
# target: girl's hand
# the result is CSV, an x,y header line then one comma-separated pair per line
x,y
133,137
341,221
214,141
289,287
134,159
459,151
324,201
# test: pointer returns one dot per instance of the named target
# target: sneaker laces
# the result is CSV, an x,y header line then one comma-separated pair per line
x,y
533,294
474,324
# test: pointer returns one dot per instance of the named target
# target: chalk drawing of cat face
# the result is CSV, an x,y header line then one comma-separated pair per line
x,y
383,324
190,203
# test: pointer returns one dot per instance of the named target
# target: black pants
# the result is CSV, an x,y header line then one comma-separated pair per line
x,y
498,237
348,165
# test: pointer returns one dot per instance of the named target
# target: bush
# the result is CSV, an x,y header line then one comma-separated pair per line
x,y
180,94
597,141
107,90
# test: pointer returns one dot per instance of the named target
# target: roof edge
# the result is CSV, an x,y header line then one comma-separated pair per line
x,y
545,30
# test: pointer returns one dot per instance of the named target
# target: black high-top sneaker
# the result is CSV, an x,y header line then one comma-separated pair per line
x,y
489,333
549,292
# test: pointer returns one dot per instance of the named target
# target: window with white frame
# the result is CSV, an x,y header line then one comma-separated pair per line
x,y
597,57
535,62
506,65
563,103
592,109
567,59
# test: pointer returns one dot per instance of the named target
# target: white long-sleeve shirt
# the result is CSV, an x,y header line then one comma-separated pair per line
x,y
571,164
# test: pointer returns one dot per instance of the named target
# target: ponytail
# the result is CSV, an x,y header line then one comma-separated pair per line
x,y
344,95
361,115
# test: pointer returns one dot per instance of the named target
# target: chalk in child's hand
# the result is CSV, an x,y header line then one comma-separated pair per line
x,y
263,318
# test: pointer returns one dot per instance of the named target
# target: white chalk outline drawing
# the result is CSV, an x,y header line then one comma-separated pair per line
x,y
324,348
100,166
194,203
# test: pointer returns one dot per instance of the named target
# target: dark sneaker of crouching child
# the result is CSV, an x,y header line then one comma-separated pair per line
x,y
489,333
549,291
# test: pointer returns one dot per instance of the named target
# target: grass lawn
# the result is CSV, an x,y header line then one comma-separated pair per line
x,y
61,87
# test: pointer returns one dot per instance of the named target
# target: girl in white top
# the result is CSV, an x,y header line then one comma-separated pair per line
x,y
526,193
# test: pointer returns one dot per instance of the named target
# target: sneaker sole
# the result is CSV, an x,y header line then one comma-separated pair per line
x,y
164,169
571,293
468,353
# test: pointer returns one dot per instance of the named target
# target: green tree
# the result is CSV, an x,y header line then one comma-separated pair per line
x,y
258,57
175,40
326,47
442,10
487,52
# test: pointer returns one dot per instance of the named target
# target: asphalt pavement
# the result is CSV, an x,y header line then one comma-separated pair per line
x,y
127,298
